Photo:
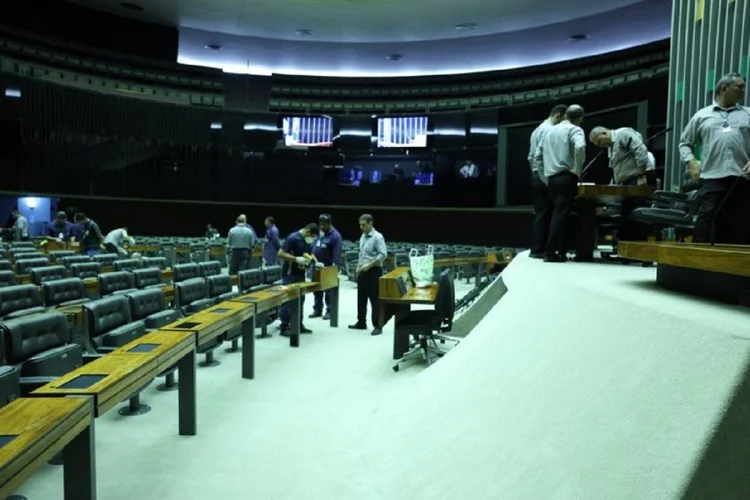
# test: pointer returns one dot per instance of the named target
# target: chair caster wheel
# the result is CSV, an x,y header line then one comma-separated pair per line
x,y
395,368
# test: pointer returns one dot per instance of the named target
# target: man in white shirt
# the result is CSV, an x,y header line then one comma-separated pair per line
x,y
21,225
629,158
469,170
561,152
116,240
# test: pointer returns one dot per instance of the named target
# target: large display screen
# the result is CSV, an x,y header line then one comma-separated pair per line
x,y
308,131
402,132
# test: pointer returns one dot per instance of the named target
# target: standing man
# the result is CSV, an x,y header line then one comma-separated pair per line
x,y
723,131
629,157
295,252
372,253
271,242
539,191
562,151
91,236
240,240
116,240
20,225
327,251
60,229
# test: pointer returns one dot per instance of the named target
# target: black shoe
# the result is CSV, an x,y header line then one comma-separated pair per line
x,y
358,326
536,255
315,314
327,316
554,257
376,331
303,329
284,330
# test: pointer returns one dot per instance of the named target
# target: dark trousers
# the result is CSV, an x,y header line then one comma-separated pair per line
x,y
367,289
730,225
542,213
240,260
563,188
319,297
284,312
629,230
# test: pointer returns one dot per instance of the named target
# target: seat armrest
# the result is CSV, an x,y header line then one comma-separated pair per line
x,y
25,312
30,384
668,196
76,302
120,336
88,358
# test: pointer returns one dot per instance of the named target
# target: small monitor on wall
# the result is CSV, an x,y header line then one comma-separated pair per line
x,y
402,132
308,131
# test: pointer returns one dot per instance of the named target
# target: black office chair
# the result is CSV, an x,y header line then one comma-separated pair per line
x,y
10,384
675,210
426,327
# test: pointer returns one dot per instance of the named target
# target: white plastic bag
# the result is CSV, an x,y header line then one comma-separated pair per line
x,y
422,267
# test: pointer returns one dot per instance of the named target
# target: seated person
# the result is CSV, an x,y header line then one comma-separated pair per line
x,y
212,233
116,240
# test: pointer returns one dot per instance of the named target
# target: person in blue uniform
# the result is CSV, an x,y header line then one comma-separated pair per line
x,y
292,252
327,251
271,242
60,228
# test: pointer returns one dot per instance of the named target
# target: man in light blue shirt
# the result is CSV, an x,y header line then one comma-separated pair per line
x,y
561,152
240,240
372,254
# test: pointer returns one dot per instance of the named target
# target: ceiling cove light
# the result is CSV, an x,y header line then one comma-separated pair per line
x,y
466,27
302,32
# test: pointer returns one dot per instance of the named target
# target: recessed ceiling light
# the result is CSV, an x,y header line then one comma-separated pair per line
x,y
394,57
466,27
212,46
578,38
304,32
131,6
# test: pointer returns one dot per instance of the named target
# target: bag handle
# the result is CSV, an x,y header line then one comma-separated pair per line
x,y
413,252
430,249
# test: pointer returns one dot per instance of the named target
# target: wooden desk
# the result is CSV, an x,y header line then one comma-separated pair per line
x,y
271,298
588,198
719,272
33,430
327,280
169,348
111,380
210,323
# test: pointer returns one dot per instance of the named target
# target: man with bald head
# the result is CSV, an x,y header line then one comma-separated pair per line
x,y
561,154
629,157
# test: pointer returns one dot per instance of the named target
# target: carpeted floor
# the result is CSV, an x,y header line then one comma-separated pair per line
x,y
583,382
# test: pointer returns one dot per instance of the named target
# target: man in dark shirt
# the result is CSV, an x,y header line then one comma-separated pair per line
x,y
92,237
327,251
60,228
292,252
271,242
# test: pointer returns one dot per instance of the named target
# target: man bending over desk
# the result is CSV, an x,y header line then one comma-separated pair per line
x,y
629,158
372,253
295,252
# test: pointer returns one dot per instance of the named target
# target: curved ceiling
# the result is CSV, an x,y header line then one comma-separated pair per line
x,y
396,38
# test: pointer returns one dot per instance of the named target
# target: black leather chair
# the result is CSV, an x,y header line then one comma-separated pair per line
x,y
64,292
10,384
127,264
85,270
148,277
250,280
109,324
116,282
105,259
425,327
160,262
6,265
210,268
220,289
668,209
58,255
39,346
20,300
75,259
191,296
39,275
272,275
184,272
29,255
7,278
23,266
150,306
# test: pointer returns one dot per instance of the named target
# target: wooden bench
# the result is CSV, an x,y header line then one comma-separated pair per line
x,y
33,430
720,272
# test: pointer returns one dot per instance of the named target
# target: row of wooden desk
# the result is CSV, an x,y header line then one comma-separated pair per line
x,y
59,416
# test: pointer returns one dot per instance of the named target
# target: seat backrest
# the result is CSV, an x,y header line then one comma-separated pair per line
x,y
210,268
189,291
63,290
21,244
23,265
105,314
58,255
41,274
147,277
249,278
6,265
445,300
85,270
160,262
187,271
105,259
75,259
271,274
7,278
29,255
219,284
110,283
28,336
126,264
143,303
19,297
